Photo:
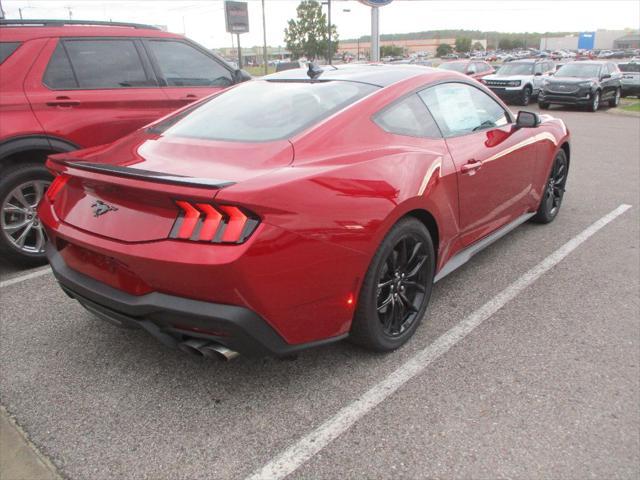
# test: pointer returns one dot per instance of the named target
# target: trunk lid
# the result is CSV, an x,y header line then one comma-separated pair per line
x,y
127,191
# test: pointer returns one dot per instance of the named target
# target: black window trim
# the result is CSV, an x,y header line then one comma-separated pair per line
x,y
136,42
155,65
18,45
508,114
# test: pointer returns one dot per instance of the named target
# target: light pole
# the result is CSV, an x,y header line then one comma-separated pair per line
x,y
375,35
264,41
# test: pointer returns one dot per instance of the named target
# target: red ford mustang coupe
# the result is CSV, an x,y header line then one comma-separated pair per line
x,y
299,209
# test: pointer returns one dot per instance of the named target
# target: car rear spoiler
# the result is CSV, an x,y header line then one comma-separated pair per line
x,y
159,177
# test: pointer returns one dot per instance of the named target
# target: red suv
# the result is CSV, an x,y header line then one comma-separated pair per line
x,y
66,85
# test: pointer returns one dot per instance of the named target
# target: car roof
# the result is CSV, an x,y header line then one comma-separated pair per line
x,y
17,30
593,62
530,60
377,74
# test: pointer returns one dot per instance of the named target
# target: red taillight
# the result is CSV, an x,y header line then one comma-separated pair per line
x,y
202,222
58,183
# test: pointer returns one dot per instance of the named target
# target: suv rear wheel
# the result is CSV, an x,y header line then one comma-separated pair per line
x,y
22,237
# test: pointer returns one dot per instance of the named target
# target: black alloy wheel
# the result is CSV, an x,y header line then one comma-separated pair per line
x,y
526,96
396,289
615,101
554,190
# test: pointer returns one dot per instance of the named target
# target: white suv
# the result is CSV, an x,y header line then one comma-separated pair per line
x,y
519,81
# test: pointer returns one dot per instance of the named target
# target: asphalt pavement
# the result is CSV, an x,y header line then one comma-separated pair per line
x,y
547,387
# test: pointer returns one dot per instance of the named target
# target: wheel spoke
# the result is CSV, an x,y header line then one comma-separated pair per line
x,y
415,285
386,302
23,236
414,253
402,254
19,195
385,284
14,227
38,188
407,303
11,208
417,268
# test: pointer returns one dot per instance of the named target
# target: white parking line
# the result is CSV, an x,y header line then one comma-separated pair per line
x,y
27,276
308,446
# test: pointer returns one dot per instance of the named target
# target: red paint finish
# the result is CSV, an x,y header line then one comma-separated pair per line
x,y
79,117
473,68
325,199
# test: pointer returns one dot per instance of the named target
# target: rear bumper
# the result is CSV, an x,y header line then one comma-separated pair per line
x,y
172,319
630,89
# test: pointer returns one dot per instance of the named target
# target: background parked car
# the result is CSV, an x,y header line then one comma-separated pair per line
x,y
68,85
474,68
519,81
587,83
630,78
282,66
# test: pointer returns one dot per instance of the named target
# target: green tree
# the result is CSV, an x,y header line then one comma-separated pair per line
x,y
307,35
478,46
505,44
391,51
443,49
463,44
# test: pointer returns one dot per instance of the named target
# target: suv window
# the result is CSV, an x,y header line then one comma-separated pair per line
x,y
537,68
6,49
408,117
460,108
183,65
95,64
59,74
629,67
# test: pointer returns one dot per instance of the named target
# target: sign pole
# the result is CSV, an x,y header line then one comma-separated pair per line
x,y
239,51
375,35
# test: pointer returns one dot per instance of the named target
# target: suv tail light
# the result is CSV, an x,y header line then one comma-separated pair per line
x,y
58,184
203,222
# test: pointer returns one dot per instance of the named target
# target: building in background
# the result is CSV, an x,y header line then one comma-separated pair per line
x,y
599,40
628,41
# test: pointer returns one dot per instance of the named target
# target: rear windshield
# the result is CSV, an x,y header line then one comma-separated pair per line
x,y
455,66
260,110
629,67
516,69
6,49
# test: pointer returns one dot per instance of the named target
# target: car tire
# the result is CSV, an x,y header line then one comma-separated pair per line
x,y
543,105
595,102
553,192
525,96
33,180
615,101
396,288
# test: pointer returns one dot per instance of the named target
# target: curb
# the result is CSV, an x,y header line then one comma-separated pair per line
x,y
20,459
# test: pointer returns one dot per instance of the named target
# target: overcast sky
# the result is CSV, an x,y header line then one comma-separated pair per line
x,y
203,20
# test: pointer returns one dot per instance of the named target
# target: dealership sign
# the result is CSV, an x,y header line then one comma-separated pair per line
x,y
376,3
237,17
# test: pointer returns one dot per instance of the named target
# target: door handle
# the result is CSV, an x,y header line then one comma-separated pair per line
x,y
190,96
471,167
63,102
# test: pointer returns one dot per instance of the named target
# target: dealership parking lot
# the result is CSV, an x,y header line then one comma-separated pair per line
x,y
548,385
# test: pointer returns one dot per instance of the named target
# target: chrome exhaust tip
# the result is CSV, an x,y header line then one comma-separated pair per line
x,y
215,350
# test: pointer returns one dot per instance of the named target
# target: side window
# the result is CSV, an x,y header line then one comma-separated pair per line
x,y
59,74
459,108
6,49
537,68
106,64
183,65
408,117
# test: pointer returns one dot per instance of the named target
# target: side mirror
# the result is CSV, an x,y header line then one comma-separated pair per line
x,y
471,72
605,76
538,74
527,120
241,76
